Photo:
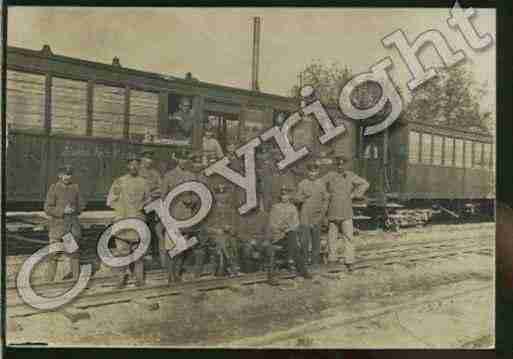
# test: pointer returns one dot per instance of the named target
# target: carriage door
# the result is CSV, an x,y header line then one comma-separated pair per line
x,y
371,162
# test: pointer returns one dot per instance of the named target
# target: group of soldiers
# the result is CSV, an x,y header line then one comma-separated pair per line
x,y
287,222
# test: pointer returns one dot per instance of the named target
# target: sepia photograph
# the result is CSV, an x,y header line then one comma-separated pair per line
x,y
277,177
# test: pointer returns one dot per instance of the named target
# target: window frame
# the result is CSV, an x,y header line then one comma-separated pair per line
x,y
410,152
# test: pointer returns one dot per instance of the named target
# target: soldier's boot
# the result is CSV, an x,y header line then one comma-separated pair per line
x,y
139,273
219,264
349,267
170,271
301,266
164,259
51,269
75,266
175,271
271,270
272,277
199,258
122,281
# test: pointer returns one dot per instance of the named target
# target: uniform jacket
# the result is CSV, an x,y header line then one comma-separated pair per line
x,y
342,186
222,212
314,199
282,219
175,177
212,147
58,197
271,180
127,196
154,180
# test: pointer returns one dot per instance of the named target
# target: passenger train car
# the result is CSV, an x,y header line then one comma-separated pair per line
x,y
61,109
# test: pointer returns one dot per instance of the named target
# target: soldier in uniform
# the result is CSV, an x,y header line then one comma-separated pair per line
x,y
154,181
181,123
343,186
186,205
63,205
221,231
283,228
313,200
211,147
234,193
128,196
265,171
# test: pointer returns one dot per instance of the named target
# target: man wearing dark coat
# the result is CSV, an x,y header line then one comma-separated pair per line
x,y
63,205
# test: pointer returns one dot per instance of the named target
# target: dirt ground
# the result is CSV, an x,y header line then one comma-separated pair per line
x,y
441,302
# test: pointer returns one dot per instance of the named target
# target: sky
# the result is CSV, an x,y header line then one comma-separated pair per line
x,y
215,43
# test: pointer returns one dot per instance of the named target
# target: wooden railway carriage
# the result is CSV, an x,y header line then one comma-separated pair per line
x,y
92,114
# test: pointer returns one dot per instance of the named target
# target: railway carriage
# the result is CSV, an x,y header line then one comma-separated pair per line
x,y
91,114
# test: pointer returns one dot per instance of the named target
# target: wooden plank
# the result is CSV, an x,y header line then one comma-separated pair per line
x,y
89,102
48,104
126,114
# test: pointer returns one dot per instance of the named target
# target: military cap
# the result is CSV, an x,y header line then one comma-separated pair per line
x,y
312,167
285,190
66,169
147,153
339,158
132,157
185,100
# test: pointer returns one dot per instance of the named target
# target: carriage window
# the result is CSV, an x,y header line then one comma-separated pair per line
x,y
437,150
426,148
108,111
413,149
144,115
25,100
448,151
478,160
487,151
458,153
69,106
468,154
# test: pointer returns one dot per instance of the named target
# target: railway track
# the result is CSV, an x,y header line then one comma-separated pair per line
x,y
102,292
303,335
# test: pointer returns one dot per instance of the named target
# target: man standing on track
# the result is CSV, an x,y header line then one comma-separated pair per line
x,y
313,200
154,182
343,186
63,206
183,208
128,196
283,228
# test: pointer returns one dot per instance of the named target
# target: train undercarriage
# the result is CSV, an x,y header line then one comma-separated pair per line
x,y
394,213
